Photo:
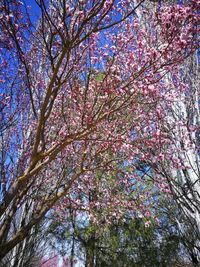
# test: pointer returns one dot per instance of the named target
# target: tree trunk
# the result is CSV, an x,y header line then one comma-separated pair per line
x,y
72,252
90,252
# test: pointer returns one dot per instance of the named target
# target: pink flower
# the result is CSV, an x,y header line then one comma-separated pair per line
x,y
147,224
148,213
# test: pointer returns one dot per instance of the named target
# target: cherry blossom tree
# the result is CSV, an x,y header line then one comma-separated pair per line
x,y
84,91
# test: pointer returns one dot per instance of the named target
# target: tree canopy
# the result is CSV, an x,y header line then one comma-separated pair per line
x,y
99,115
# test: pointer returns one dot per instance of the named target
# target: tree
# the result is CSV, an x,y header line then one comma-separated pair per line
x,y
95,204
181,124
55,110
128,241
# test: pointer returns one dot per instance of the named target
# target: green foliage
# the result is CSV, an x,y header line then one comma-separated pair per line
x,y
131,244
99,77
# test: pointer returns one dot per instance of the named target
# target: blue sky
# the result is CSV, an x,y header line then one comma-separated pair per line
x,y
34,11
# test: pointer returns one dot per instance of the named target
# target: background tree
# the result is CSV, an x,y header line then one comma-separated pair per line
x,y
59,139
129,241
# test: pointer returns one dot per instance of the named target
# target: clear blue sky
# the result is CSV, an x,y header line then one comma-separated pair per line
x,y
34,11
